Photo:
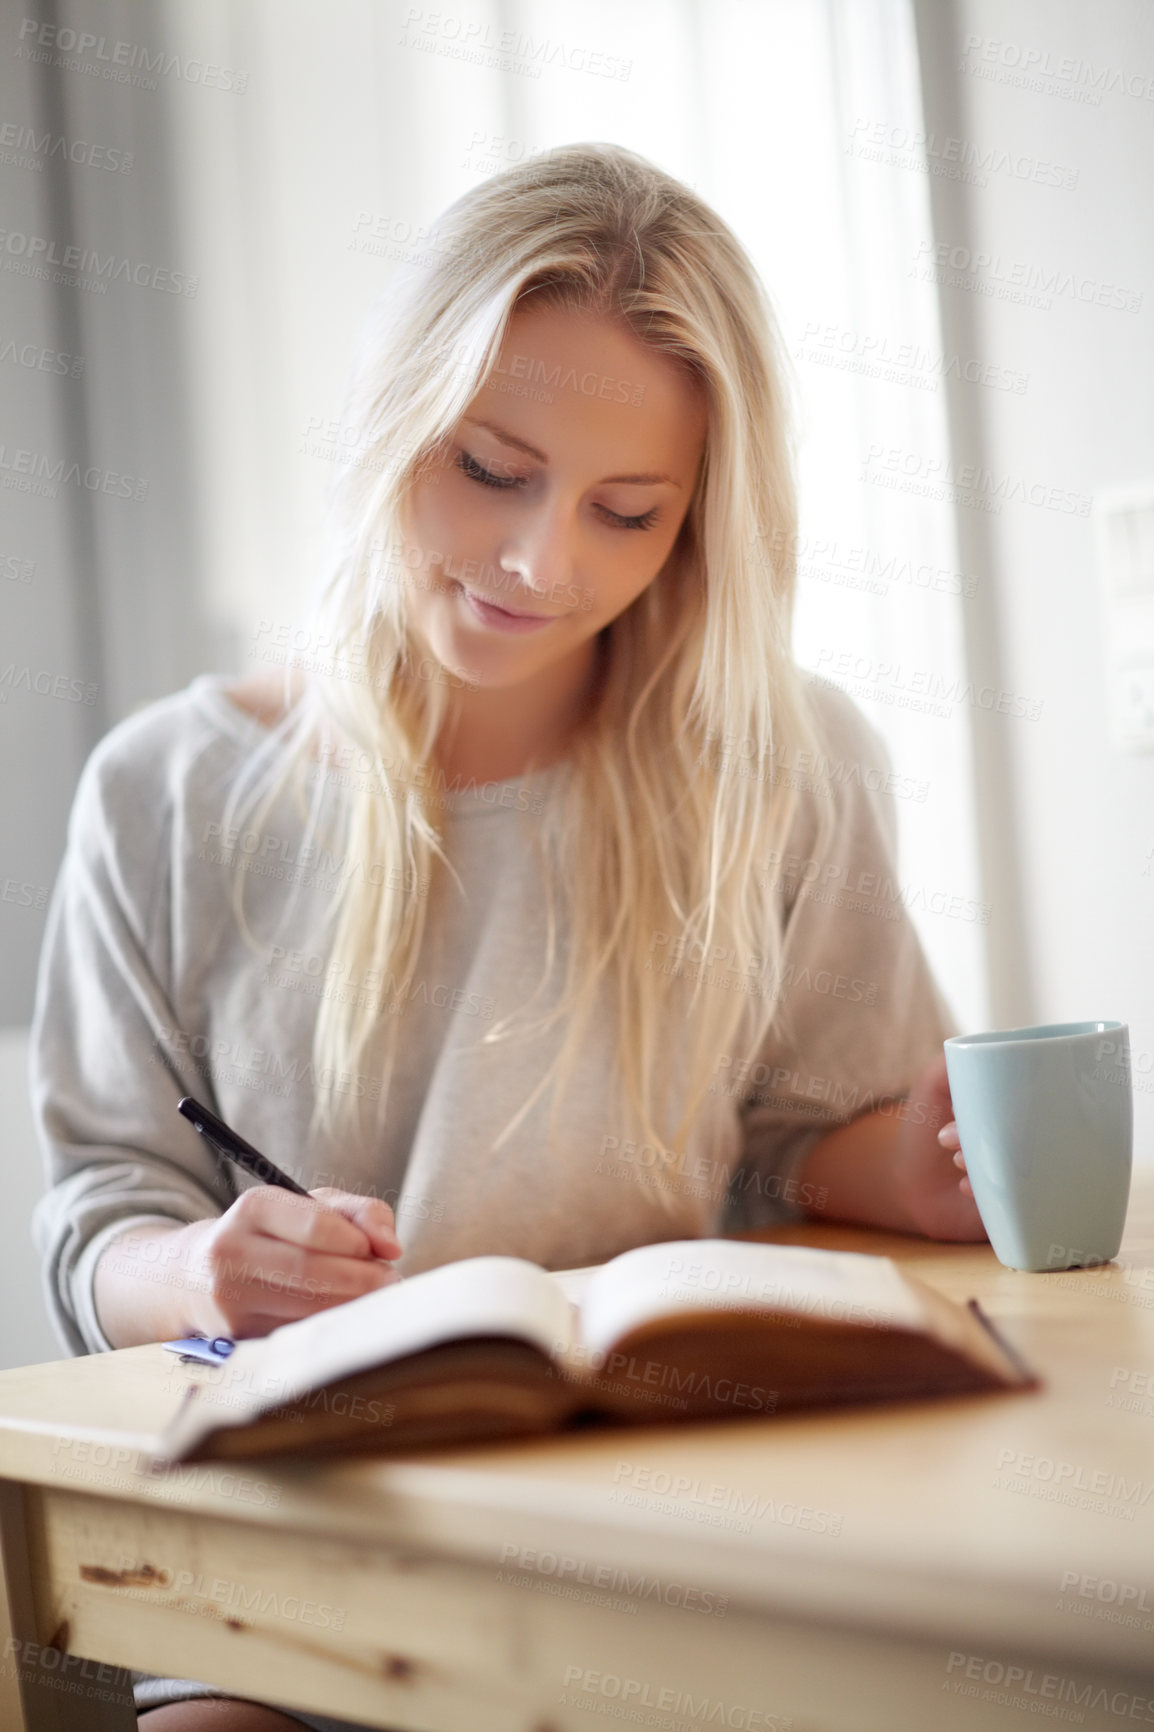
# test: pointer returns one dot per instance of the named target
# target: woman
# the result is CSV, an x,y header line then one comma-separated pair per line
x,y
544,907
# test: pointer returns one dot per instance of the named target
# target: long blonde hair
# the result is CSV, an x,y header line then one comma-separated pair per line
x,y
650,832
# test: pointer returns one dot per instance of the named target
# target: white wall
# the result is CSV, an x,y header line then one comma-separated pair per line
x,y
1068,813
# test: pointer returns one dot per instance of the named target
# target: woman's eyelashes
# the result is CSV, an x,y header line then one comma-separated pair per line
x,y
473,470
470,467
645,521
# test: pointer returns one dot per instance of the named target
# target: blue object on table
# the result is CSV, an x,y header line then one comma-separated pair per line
x,y
213,1352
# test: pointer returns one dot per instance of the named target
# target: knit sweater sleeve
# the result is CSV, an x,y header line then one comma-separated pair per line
x,y
860,1013
107,1064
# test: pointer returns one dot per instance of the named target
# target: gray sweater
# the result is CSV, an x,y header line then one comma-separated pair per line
x,y
147,991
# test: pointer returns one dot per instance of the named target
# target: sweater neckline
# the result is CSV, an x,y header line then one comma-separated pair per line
x,y
517,793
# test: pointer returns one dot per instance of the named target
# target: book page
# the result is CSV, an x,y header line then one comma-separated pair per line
x,y
477,1296
573,1282
662,1280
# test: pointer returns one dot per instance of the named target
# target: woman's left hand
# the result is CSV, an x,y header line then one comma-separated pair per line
x,y
939,1202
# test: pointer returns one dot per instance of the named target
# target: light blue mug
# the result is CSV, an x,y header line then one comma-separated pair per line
x,y
1045,1116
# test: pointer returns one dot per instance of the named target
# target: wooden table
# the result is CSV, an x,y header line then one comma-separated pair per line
x,y
972,1563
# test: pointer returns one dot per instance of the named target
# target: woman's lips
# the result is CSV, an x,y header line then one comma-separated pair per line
x,y
500,618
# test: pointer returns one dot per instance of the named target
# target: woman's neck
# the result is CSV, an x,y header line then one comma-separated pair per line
x,y
495,734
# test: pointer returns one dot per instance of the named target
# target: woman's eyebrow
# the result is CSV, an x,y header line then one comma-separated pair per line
x,y
532,451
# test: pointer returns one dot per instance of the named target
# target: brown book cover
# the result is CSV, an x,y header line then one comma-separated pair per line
x,y
494,1347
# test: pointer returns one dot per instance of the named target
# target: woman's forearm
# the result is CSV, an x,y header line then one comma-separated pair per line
x,y
855,1167
141,1287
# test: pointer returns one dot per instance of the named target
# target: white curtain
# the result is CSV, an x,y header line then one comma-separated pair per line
x,y
360,121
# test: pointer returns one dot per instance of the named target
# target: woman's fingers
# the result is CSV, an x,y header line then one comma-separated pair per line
x,y
323,1223
299,1221
252,1276
274,1254
277,1267
949,1139
964,1185
370,1214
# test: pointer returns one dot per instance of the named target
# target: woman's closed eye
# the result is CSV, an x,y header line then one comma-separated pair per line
x,y
474,471
470,467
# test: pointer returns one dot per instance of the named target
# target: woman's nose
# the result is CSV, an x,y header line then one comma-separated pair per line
x,y
541,553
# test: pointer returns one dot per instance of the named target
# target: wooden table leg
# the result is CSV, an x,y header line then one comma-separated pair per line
x,y
43,1688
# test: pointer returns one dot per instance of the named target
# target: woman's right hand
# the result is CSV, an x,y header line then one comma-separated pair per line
x,y
273,1257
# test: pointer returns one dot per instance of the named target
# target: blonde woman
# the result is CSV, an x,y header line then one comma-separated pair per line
x,y
539,904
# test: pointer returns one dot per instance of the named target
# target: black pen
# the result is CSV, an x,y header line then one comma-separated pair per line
x,y
226,1142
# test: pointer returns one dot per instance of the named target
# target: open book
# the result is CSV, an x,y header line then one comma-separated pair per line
x,y
497,1347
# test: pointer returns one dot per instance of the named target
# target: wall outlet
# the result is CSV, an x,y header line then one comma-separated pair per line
x,y
1132,690
1124,534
